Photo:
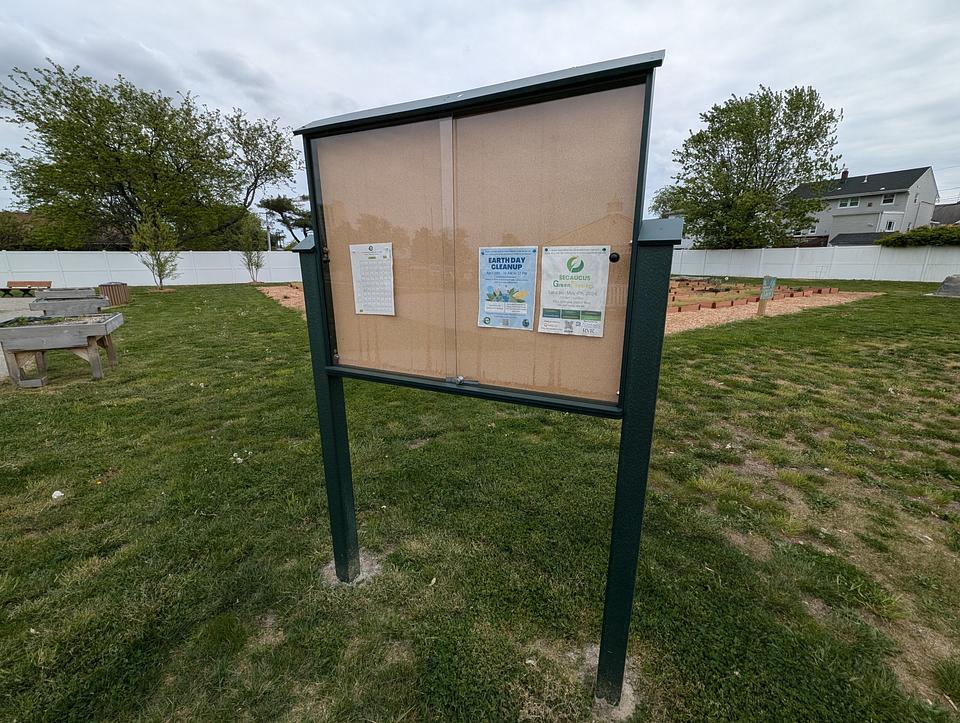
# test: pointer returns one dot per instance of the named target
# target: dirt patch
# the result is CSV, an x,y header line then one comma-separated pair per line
x,y
270,633
715,317
311,703
817,609
416,443
755,469
290,296
753,546
561,671
370,567
919,650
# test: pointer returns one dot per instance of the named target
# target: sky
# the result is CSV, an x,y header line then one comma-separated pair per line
x,y
890,66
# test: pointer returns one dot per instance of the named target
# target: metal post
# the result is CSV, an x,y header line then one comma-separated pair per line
x,y
647,316
332,414
331,409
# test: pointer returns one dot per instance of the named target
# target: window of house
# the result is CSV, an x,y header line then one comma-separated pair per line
x,y
887,199
849,202
890,225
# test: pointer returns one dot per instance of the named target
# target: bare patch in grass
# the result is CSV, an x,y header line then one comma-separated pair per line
x,y
817,609
756,469
416,443
370,567
919,649
311,704
270,633
753,546
562,676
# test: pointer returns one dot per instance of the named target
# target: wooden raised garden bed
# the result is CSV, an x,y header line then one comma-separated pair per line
x,y
27,339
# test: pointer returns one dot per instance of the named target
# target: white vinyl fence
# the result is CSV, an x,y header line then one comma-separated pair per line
x,y
91,268
879,263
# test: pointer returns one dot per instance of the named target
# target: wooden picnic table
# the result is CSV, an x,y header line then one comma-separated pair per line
x,y
30,340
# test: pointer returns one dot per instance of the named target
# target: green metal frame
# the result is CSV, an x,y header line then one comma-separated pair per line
x,y
643,339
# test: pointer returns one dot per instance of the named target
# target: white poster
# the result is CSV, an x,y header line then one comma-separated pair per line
x,y
573,289
372,266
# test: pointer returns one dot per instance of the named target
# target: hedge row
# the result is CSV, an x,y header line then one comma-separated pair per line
x,y
924,236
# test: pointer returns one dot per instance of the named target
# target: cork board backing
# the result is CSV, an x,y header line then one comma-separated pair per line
x,y
561,172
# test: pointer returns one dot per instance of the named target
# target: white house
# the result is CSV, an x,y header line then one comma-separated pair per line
x,y
858,209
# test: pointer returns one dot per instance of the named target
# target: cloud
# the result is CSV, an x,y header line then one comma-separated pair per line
x,y
242,79
889,68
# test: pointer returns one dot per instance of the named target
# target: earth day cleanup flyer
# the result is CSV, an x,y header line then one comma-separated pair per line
x,y
573,290
508,282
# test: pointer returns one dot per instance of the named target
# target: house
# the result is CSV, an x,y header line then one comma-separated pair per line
x,y
859,209
946,214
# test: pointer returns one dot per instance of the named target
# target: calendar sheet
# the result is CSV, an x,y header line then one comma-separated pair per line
x,y
372,266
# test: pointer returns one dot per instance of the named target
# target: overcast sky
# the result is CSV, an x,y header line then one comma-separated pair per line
x,y
891,66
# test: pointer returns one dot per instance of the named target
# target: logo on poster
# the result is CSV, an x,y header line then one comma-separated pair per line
x,y
574,264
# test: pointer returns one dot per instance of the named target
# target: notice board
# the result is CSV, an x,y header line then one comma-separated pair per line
x,y
560,172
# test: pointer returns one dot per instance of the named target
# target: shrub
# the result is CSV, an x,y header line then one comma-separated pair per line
x,y
156,244
253,238
924,236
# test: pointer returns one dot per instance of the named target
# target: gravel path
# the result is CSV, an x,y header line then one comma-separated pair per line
x,y
292,297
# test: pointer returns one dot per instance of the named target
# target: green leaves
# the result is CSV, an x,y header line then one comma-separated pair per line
x,y
291,216
924,236
156,245
99,155
736,174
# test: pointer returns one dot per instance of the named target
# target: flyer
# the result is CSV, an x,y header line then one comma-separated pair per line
x,y
507,284
372,266
573,290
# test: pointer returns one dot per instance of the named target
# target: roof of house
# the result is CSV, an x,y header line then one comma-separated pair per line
x,y
861,185
947,213
855,239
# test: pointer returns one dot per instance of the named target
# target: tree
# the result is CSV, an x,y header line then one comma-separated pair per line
x,y
736,178
253,240
291,217
98,156
13,231
156,245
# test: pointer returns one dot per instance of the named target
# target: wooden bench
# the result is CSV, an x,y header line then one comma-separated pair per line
x,y
26,288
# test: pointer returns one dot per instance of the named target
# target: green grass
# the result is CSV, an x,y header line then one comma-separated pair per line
x,y
800,548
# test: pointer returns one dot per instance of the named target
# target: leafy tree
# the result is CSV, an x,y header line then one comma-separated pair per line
x,y
99,156
737,175
13,231
253,241
156,245
289,214
923,236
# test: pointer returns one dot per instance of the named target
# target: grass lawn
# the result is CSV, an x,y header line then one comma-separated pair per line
x,y
800,561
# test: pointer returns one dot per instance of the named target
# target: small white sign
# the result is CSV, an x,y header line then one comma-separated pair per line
x,y
573,289
372,266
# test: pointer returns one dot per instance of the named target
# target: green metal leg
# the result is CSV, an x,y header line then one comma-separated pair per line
x,y
336,467
332,414
639,394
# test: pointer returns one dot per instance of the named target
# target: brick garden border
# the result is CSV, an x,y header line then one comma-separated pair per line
x,y
781,293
